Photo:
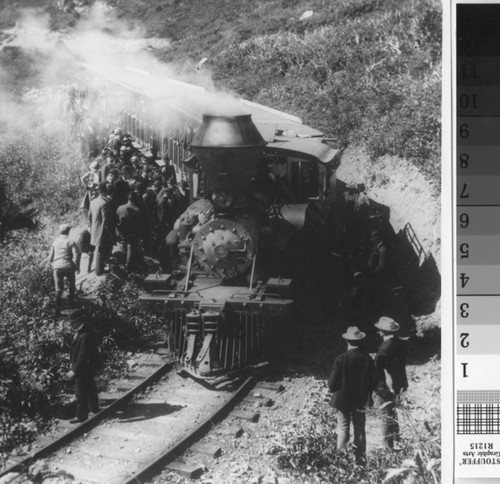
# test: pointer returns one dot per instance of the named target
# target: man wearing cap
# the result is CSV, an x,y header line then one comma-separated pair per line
x,y
352,381
83,359
390,364
65,259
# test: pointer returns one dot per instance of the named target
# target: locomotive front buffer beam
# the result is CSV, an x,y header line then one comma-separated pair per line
x,y
210,337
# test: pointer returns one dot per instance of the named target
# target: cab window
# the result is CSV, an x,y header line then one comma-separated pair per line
x,y
304,178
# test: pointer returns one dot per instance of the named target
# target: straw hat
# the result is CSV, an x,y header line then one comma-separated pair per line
x,y
353,334
387,324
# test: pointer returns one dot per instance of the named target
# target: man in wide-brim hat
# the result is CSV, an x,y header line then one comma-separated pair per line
x,y
352,381
390,364
83,359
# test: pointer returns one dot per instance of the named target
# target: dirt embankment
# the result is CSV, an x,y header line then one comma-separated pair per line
x,y
411,196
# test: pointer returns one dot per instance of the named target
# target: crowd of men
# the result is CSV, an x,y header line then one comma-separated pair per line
x,y
131,200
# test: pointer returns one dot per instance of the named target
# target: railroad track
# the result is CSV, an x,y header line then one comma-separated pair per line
x,y
144,427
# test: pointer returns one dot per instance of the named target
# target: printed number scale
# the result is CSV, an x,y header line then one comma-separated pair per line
x,y
477,244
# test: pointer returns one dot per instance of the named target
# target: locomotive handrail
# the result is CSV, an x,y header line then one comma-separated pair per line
x,y
188,272
414,242
170,291
253,268
255,295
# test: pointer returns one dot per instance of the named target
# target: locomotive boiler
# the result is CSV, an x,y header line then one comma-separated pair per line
x,y
234,284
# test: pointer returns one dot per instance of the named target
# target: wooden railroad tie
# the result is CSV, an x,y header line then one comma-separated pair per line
x,y
163,352
275,387
249,416
140,374
124,385
230,432
151,363
107,398
212,451
259,401
191,471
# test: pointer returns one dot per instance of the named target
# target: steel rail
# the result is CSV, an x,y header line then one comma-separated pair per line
x,y
160,462
88,424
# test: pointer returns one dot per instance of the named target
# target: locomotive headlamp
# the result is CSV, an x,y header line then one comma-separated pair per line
x,y
222,196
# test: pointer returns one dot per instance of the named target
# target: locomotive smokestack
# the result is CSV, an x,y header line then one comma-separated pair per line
x,y
231,145
227,132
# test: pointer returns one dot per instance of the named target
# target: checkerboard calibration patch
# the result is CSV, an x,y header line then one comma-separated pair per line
x,y
478,412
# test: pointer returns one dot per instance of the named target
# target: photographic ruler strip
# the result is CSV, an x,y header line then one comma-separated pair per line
x,y
476,64
478,412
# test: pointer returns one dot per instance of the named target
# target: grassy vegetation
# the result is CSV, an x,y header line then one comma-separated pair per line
x,y
364,70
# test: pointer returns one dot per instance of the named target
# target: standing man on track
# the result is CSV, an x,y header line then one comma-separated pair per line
x,y
84,359
352,381
390,364
102,221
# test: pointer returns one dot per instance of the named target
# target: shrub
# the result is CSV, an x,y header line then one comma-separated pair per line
x,y
40,170
34,348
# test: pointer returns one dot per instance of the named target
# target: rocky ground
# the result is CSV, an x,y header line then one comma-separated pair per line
x,y
259,455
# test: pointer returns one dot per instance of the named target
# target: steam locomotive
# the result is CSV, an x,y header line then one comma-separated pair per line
x,y
238,244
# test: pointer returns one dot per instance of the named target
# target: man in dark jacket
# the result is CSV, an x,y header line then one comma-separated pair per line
x,y
352,381
83,359
132,228
122,186
390,364
102,221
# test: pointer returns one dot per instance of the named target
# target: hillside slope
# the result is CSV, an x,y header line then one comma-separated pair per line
x,y
367,71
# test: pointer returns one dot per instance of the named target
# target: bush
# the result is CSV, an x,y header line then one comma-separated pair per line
x,y
40,171
34,348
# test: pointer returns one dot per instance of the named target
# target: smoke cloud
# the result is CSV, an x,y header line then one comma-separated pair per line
x,y
100,48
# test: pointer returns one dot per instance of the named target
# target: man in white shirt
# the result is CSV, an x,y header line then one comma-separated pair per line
x,y
64,257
